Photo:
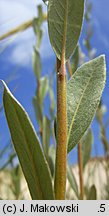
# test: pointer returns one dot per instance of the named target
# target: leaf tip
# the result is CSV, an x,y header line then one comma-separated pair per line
x,y
102,59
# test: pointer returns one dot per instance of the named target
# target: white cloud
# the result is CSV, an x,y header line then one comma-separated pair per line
x,y
13,13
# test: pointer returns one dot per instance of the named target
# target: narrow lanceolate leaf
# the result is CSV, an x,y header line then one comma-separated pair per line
x,y
92,193
87,141
75,60
72,181
46,130
36,61
28,148
83,96
44,86
64,25
38,110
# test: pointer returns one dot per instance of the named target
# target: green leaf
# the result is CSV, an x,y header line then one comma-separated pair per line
x,y
52,97
83,96
75,60
37,23
28,148
38,31
87,142
46,131
16,180
72,180
40,14
36,61
38,100
38,110
43,88
92,193
64,25
52,102
52,154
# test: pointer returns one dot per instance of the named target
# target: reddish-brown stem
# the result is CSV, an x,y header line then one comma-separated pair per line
x,y
61,149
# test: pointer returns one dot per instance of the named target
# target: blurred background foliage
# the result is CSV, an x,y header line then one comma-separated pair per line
x,y
95,169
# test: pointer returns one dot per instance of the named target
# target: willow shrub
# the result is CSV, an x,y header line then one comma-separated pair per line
x,y
77,102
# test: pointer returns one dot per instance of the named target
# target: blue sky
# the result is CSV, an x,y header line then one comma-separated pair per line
x,y
15,60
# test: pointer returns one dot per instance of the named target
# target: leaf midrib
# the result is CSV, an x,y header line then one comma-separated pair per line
x,y
29,156
73,119
65,32
60,23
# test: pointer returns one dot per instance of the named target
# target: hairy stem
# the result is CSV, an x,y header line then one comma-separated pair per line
x,y
80,164
61,150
